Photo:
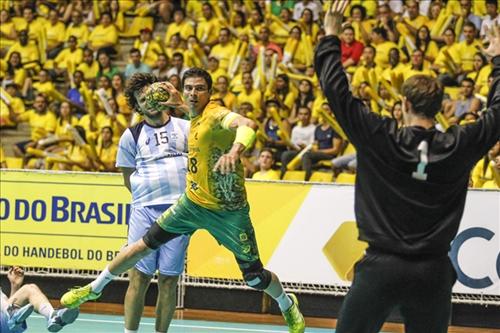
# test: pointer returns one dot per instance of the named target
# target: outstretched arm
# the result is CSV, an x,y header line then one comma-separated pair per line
x,y
353,116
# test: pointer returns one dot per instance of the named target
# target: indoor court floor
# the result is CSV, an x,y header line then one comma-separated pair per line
x,y
110,324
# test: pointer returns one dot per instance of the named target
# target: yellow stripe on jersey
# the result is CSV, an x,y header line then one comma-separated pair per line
x,y
208,141
228,119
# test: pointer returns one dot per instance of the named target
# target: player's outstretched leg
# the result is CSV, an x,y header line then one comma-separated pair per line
x,y
125,260
17,315
61,318
256,276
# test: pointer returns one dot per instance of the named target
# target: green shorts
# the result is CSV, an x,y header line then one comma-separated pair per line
x,y
232,229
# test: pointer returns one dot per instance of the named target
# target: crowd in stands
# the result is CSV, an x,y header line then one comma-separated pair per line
x,y
63,69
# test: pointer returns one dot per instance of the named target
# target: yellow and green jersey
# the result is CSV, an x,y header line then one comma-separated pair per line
x,y
207,142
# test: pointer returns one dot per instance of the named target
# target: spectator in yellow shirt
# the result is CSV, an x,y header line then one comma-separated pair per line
x,y
180,25
368,71
72,56
409,24
8,33
89,67
426,45
34,25
41,121
214,69
223,93
249,94
78,29
382,45
14,71
106,150
224,49
104,37
266,163
150,49
55,31
468,48
482,70
417,66
208,27
30,58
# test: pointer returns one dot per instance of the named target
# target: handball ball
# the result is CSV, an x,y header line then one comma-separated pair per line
x,y
155,95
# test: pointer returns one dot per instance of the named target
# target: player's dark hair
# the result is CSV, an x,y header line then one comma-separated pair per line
x,y
197,72
136,83
425,95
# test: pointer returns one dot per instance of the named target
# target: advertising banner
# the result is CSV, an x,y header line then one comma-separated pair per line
x,y
305,232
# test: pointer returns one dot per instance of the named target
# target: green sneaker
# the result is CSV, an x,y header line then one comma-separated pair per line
x,y
77,296
293,317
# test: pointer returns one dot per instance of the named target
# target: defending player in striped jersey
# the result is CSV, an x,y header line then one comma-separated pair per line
x,y
153,158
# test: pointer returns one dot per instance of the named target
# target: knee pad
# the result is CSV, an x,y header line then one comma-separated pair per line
x,y
257,277
156,237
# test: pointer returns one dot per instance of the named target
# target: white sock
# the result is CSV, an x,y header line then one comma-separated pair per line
x,y
46,310
130,331
284,302
102,280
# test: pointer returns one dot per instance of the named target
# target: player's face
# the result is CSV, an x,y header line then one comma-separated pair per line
x,y
196,93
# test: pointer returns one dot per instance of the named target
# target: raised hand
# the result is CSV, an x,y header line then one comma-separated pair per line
x,y
334,16
493,35
175,100
16,277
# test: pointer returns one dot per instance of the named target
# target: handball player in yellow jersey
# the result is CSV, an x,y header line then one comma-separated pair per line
x,y
215,198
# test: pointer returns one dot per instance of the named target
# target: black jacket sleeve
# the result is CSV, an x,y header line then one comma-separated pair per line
x,y
353,116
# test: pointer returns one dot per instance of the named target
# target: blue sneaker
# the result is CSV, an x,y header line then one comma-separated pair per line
x,y
61,318
17,315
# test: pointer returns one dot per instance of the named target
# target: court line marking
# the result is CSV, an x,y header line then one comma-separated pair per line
x,y
178,325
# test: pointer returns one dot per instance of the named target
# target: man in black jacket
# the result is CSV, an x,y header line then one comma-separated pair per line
x,y
410,191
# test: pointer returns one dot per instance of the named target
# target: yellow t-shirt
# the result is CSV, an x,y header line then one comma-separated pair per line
x,y
6,28
441,58
150,52
28,52
229,99
185,29
101,36
107,155
218,72
466,53
481,174
223,53
208,31
481,79
411,72
81,33
266,175
89,72
371,75
66,56
382,54
55,33
40,124
254,98
207,142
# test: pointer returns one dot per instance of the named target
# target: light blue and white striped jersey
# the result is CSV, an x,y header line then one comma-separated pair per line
x,y
159,155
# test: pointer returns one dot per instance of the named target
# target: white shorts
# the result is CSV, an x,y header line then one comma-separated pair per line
x,y
169,259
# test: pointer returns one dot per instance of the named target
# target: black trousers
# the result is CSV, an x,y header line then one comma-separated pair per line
x,y
419,286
